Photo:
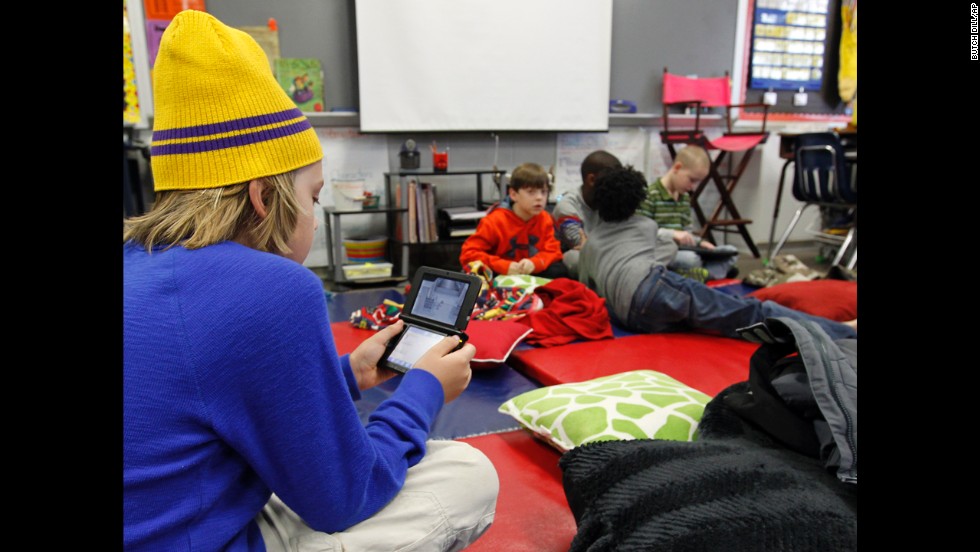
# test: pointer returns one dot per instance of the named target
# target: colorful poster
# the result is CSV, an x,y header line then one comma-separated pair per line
x,y
302,79
788,43
131,104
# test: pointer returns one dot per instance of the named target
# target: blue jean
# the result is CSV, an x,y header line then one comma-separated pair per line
x,y
668,302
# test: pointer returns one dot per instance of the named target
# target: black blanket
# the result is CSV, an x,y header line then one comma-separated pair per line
x,y
734,489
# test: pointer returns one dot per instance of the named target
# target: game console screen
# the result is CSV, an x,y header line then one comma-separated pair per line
x,y
413,345
440,299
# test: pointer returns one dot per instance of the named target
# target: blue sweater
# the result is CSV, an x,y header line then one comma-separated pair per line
x,y
232,390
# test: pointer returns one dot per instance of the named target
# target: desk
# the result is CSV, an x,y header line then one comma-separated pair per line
x,y
787,146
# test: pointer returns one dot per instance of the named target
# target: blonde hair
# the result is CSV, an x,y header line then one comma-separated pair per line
x,y
198,218
692,156
529,175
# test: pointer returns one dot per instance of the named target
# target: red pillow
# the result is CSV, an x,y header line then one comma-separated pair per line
x,y
494,340
833,299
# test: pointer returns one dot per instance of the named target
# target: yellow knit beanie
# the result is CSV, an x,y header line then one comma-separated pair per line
x,y
220,116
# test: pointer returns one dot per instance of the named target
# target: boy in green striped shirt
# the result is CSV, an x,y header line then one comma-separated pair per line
x,y
668,202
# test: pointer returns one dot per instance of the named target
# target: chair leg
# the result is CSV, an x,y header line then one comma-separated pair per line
x,y
775,211
852,262
843,248
725,193
789,230
732,178
696,205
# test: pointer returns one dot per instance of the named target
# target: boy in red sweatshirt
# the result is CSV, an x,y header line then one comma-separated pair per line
x,y
519,239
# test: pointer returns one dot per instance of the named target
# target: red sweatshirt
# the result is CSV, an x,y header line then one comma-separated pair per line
x,y
502,238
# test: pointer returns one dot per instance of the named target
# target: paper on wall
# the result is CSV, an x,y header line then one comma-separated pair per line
x,y
629,144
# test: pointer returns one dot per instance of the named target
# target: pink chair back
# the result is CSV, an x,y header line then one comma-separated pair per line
x,y
712,91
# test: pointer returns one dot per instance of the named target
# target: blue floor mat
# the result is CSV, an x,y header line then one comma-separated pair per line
x,y
472,413
738,290
340,305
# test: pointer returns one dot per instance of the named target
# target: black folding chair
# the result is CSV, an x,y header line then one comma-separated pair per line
x,y
823,178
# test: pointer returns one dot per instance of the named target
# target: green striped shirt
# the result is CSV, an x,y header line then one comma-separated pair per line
x,y
671,214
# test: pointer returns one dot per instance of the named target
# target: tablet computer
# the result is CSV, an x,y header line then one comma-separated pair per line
x,y
439,303
710,254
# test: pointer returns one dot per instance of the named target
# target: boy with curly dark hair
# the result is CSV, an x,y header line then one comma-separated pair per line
x,y
623,265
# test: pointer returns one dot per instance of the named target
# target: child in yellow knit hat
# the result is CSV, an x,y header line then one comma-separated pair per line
x,y
239,425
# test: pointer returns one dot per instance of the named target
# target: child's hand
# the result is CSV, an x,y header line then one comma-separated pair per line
x,y
452,369
364,359
706,244
684,238
582,240
514,268
526,266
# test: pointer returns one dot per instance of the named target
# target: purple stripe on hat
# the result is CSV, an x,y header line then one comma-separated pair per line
x,y
227,126
232,141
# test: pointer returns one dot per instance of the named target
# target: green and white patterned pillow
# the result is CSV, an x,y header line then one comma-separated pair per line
x,y
519,281
641,404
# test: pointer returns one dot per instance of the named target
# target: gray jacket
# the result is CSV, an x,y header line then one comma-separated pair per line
x,y
829,385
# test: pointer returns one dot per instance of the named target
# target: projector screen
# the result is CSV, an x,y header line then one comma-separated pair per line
x,y
460,65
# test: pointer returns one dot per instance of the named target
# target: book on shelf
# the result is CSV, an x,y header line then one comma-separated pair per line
x,y
399,217
302,79
423,206
422,227
413,226
430,211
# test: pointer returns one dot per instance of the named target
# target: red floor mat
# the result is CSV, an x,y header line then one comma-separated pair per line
x,y
532,512
347,337
705,362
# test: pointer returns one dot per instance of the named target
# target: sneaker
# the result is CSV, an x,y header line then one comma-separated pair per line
x,y
697,274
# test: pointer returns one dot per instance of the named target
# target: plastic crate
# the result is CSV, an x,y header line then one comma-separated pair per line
x,y
367,271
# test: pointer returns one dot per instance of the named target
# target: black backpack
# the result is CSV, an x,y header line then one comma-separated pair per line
x,y
803,391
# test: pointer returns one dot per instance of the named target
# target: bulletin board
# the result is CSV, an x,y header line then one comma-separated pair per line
x,y
795,44
789,43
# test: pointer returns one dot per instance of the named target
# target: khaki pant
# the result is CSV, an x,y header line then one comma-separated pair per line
x,y
448,501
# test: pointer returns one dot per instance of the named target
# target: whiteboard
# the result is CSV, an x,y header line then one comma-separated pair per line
x,y
458,65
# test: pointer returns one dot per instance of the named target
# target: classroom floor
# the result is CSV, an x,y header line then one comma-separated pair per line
x,y
812,254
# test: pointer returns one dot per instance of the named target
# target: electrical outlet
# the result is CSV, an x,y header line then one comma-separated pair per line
x,y
799,99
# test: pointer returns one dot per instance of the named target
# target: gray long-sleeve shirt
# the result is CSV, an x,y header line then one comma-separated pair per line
x,y
618,256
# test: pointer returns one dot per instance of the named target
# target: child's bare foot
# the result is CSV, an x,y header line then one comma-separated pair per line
x,y
852,323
